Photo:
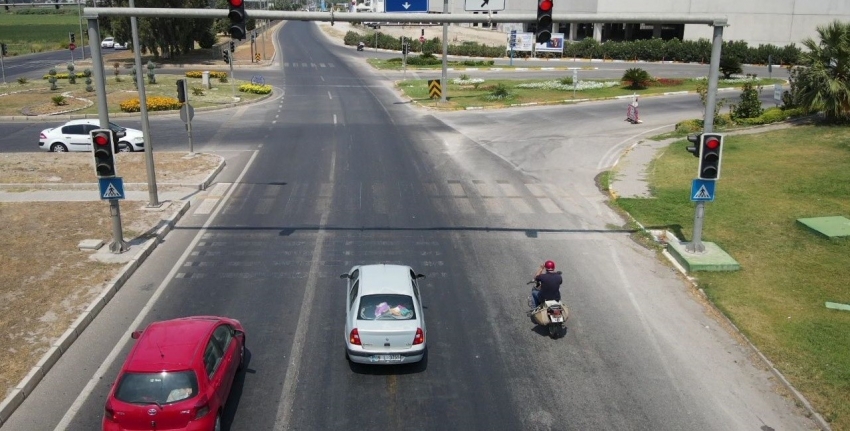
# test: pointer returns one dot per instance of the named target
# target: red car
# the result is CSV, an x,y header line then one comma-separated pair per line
x,y
177,376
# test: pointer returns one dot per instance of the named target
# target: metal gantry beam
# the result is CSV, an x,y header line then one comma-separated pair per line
x,y
636,18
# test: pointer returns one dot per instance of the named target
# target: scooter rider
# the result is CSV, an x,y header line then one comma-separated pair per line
x,y
360,46
548,284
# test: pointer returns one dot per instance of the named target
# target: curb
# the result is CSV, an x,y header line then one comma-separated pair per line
x,y
63,343
799,397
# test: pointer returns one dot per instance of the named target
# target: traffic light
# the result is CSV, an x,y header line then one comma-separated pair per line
x,y
226,56
405,48
695,140
3,50
544,21
73,39
104,152
181,90
711,149
237,19
232,46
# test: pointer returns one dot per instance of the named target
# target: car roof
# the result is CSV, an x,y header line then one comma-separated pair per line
x,y
83,121
384,278
170,345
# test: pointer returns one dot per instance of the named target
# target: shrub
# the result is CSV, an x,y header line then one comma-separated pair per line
x,y
155,103
567,80
200,74
750,105
424,60
222,79
63,75
198,91
689,126
59,100
667,82
636,78
22,80
500,91
256,89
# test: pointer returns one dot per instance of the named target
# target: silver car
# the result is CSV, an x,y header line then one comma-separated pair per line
x,y
385,322
75,135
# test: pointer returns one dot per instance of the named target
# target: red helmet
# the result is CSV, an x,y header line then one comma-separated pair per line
x,y
549,265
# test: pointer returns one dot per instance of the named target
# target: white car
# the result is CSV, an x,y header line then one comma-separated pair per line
x,y
384,322
118,45
108,42
75,135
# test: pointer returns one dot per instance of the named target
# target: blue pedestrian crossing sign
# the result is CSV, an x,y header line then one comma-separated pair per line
x,y
111,188
702,190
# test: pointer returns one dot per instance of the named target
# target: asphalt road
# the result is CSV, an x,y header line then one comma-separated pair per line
x,y
336,171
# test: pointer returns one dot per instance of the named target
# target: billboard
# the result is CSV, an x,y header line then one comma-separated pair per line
x,y
525,42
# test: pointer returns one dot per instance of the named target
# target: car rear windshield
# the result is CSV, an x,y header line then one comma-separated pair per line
x,y
386,307
157,388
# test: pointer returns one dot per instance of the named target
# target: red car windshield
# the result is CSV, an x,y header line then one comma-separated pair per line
x,y
157,388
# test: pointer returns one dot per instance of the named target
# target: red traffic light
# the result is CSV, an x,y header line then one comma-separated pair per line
x,y
545,5
235,3
101,139
712,143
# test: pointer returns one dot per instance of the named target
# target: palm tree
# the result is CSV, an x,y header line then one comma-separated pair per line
x,y
824,84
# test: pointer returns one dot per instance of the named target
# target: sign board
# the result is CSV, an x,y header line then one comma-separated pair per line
x,y
111,188
524,41
483,5
777,93
435,89
72,46
702,190
406,6
555,44
187,113
512,39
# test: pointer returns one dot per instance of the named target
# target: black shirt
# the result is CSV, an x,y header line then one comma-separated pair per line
x,y
550,286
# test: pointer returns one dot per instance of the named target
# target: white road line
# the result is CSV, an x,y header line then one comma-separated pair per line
x,y
334,118
329,96
610,158
290,382
101,371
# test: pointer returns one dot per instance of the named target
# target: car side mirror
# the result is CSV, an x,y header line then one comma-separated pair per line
x,y
135,335
121,133
238,333
343,276
420,275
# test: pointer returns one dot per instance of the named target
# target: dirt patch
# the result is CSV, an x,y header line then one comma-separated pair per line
x,y
45,280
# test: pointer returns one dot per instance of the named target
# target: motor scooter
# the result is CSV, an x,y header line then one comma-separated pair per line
x,y
551,314
360,46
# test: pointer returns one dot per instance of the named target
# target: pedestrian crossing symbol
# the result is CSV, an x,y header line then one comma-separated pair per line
x,y
111,188
702,190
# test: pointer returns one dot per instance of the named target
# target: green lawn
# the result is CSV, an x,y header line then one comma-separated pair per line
x,y
462,95
767,182
28,33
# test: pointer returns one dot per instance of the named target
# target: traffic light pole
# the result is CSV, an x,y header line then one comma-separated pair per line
x,y
117,245
153,199
444,78
696,245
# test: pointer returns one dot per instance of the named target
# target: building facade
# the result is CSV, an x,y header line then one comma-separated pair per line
x,y
776,22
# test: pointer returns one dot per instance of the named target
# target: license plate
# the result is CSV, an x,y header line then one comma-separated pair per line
x,y
385,358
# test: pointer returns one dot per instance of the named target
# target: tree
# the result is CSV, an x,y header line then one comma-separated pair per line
x,y
730,64
636,78
750,105
823,84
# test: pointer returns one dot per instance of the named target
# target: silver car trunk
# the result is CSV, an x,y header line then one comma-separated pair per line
x,y
386,335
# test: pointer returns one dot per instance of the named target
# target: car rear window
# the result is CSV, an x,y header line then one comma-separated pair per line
x,y
386,307
158,388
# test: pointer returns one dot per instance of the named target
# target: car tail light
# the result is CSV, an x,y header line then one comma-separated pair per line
x,y
109,412
202,407
354,337
42,136
556,311
419,338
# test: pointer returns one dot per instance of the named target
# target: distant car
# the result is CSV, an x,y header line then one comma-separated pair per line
x,y
177,376
75,135
119,45
108,42
385,322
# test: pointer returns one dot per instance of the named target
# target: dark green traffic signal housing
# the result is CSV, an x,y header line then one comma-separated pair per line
x,y
544,21
696,141
710,153
237,19
103,150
